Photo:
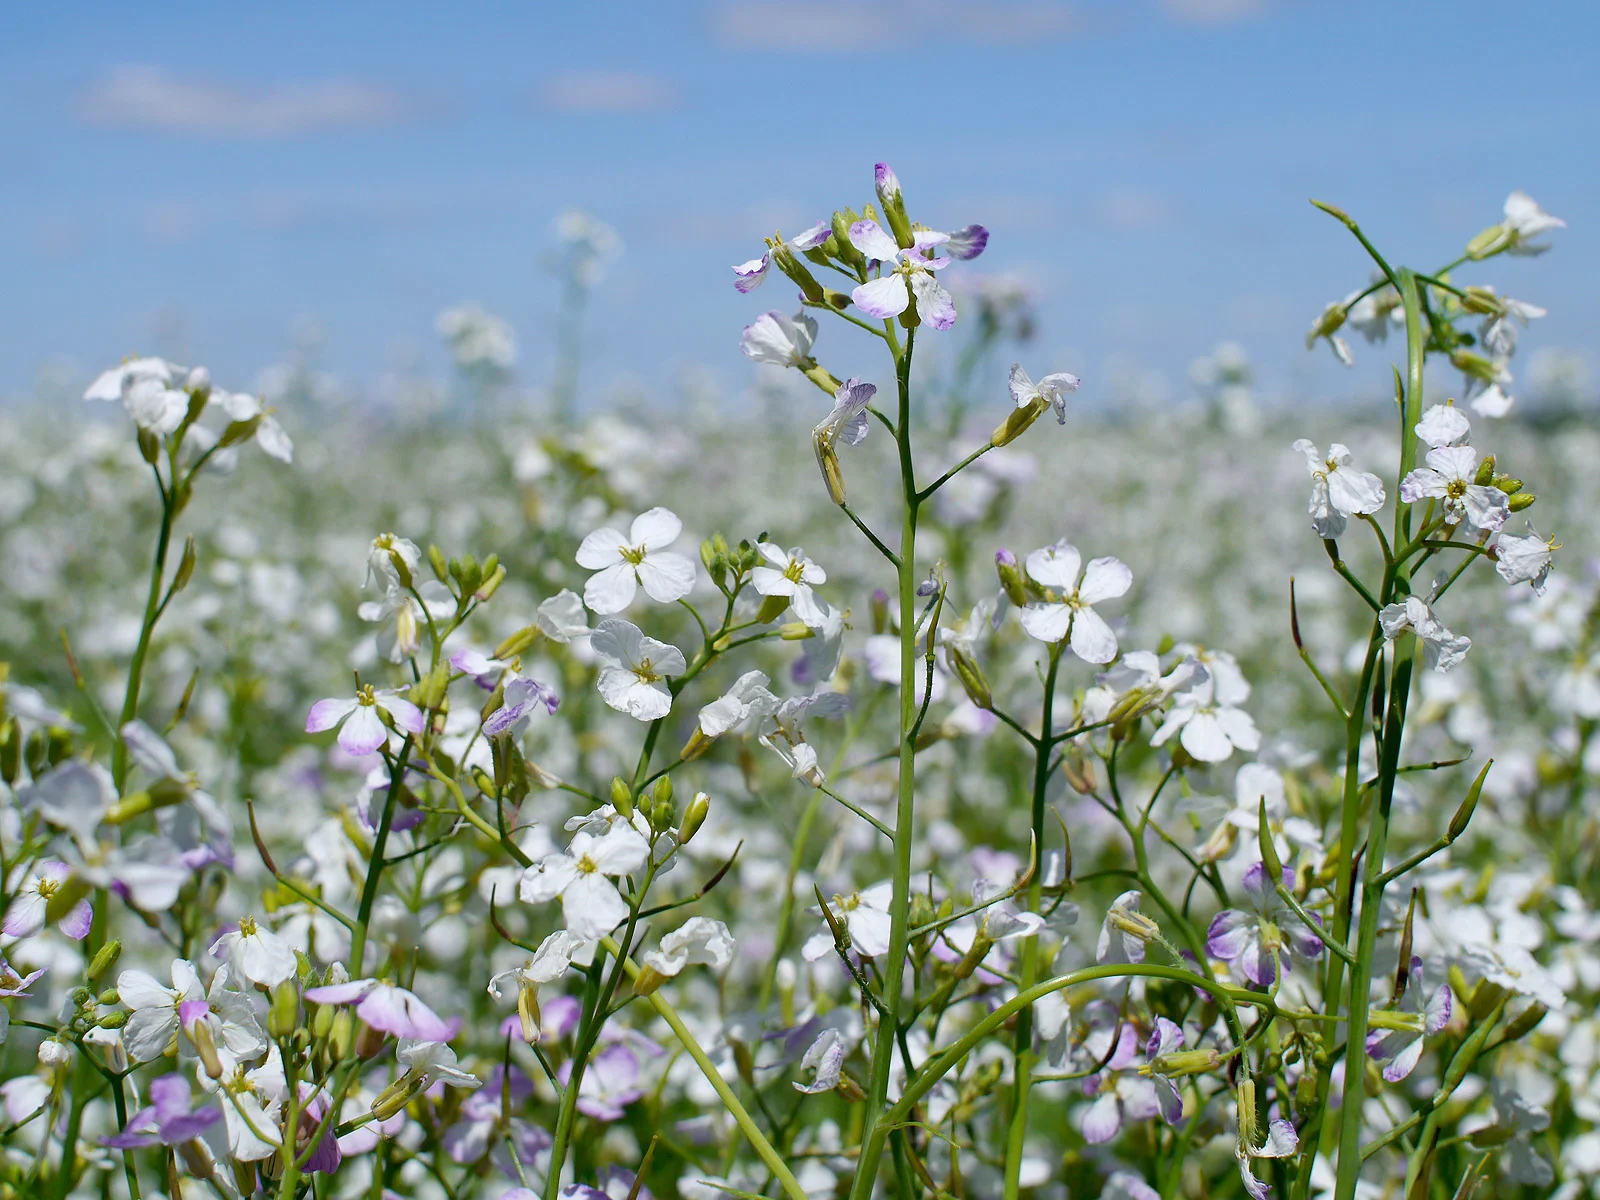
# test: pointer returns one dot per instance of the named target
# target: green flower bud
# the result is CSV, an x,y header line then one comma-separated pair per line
x,y
441,569
621,796
1485,471
1521,502
105,958
693,817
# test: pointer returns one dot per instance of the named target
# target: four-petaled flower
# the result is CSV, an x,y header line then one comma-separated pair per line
x,y
790,573
1450,476
29,909
386,1007
1067,611
363,730
780,340
623,563
168,1120
1264,938
907,273
1338,490
590,903
1396,1037
1051,390
1441,649
633,677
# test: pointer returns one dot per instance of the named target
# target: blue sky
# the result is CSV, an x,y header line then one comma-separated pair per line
x,y
195,177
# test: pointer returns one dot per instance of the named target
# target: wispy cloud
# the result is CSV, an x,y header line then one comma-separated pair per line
x,y
144,97
606,92
819,26
1213,12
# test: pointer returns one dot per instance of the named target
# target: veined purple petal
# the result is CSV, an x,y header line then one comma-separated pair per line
x,y
813,237
747,276
967,242
325,714
869,238
882,298
76,923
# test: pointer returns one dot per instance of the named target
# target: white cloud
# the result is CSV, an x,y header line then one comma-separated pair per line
x,y
606,92
1213,12
144,97
813,26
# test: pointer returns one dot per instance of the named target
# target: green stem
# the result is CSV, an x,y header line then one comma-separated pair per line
x,y
369,889
152,611
1022,1044
894,966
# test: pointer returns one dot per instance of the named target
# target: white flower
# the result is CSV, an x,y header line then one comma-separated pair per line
x,y
1119,942
788,741
253,1100
589,902
1373,316
780,340
747,699
381,556
561,618
1449,477
633,678
157,1012
1523,559
269,435
1070,615
792,574
1524,221
1499,333
1444,425
1338,491
151,389
1441,649
1209,729
1052,390
699,940
428,1063
548,964
257,953
848,421
622,563
825,1056
865,914
402,617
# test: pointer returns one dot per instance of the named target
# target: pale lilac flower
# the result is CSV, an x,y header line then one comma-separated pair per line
x,y
1125,1185
848,421
790,573
1266,936
1124,931
1281,1142
363,731
257,953
1120,1094
29,908
698,941
780,340
1523,559
590,903
623,563
1070,615
788,740
1051,389
1166,1038
634,670
1338,491
748,276
483,1116
403,618
168,1120
1441,649
158,1012
521,698
386,1007
909,273
610,1084
561,618
1444,425
14,984
1399,1049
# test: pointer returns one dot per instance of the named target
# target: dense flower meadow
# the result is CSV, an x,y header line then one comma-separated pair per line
x,y
914,786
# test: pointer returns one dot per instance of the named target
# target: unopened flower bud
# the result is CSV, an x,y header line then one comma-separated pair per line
x,y
53,1053
436,560
1521,502
284,1014
115,1020
887,185
662,792
694,816
1463,814
1482,301
185,570
149,446
772,607
848,254
1005,564
518,642
828,464
973,681
648,980
880,610
105,958
1474,365
486,590
1488,243
621,796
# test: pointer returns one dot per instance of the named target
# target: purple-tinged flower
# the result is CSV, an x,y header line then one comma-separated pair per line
x,y
1281,1141
908,273
168,1119
1125,1185
1165,1039
482,1117
967,242
12,984
29,909
388,1008
780,340
1257,941
748,276
1051,389
609,1085
364,731
1120,1093
521,699
1396,1037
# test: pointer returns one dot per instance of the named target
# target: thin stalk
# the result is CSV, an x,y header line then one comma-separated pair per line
x,y
369,889
152,611
905,805
1022,1045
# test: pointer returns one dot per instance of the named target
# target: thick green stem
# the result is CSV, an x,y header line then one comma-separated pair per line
x,y
894,966
1022,1046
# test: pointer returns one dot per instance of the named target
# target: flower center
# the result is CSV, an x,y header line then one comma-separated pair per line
x,y
794,570
646,672
633,555
365,696
247,926
47,888
1455,489
587,865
